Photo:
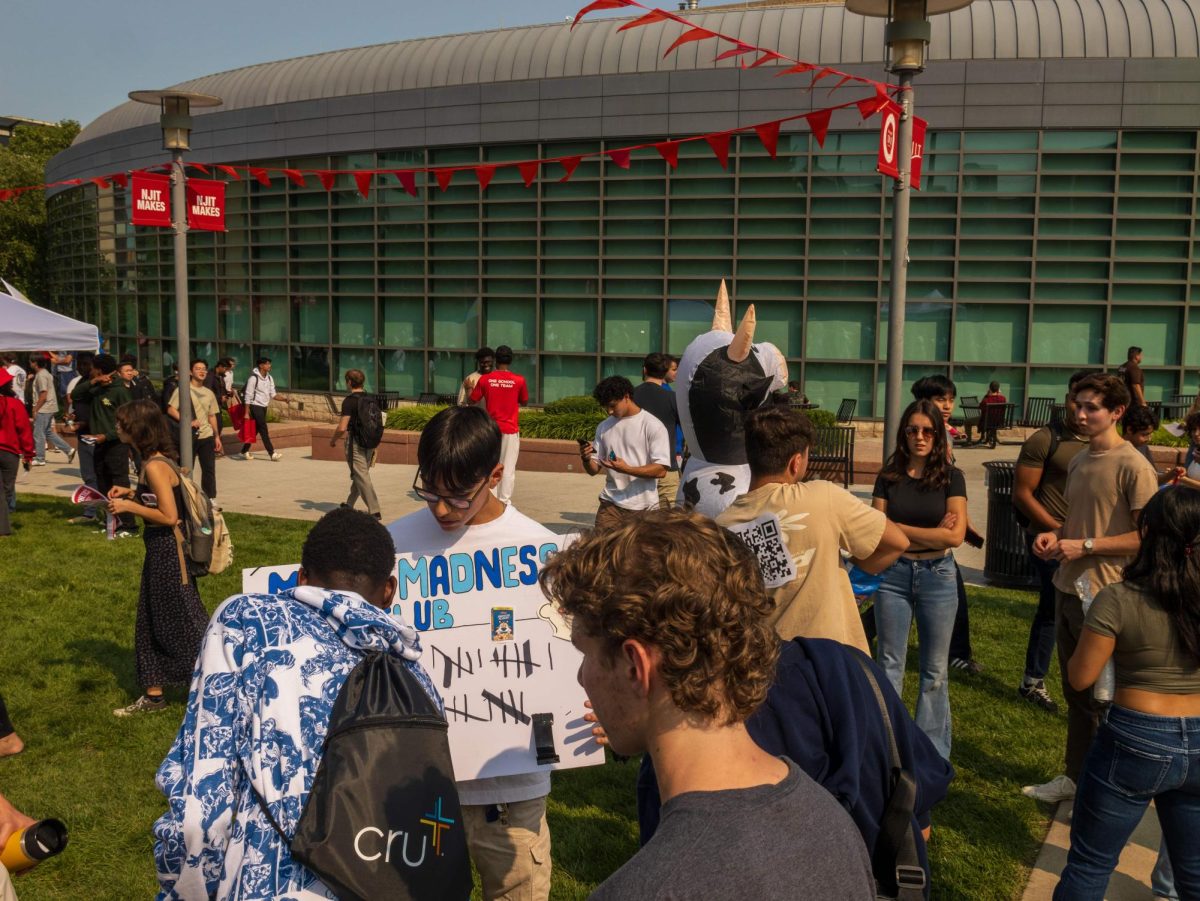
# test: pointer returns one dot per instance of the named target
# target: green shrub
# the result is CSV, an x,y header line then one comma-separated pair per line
x,y
821,417
579,403
1163,438
563,426
414,418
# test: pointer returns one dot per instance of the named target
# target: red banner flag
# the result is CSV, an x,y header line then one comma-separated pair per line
x,y
669,151
151,200
819,123
720,147
889,135
6,194
120,180
327,179
736,51
820,75
655,15
695,34
599,4
443,177
363,180
869,107
295,176
199,167
768,56
100,181
261,176
918,150
408,180
569,164
231,172
529,171
484,175
620,157
796,69
205,204
768,133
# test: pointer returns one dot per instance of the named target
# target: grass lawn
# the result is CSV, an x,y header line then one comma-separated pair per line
x,y
68,599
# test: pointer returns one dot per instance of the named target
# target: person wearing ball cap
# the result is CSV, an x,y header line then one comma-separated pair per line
x,y
16,443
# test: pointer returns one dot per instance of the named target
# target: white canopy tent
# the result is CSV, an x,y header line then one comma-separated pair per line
x,y
25,327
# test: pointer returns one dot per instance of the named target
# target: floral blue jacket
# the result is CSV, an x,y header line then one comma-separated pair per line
x,y
269,671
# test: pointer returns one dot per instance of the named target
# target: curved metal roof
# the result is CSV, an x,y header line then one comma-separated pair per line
x,y
988,29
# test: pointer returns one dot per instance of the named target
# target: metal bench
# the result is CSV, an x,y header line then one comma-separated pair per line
x,y
1037,412
993,418
428,397
831,456
1178,406
969,406
845,410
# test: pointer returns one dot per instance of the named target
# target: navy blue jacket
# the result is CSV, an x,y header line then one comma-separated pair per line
x,y
822,713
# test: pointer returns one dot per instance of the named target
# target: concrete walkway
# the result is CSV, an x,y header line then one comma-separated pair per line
x,y
299,487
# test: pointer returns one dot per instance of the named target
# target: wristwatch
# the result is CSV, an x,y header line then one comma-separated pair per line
x,y
1088,545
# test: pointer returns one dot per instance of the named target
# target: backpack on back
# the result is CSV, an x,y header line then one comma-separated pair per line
x,y
1055,440
368,422
383,819
205,542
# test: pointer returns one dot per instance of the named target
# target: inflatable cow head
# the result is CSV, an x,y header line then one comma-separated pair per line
x,y
722,376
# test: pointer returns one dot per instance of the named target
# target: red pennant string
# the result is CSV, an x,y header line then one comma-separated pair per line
x,y
720,147
768,56
599,4
295,177
696,34
529,171
768,133
820,75
729,54
99,181
669,151
796,69
869,107
363,180
6,195
819,123
484,174
231,172
199,167
844,79
408,180
443,177
261,176
569,164
655,15
327,179
121,180
620,158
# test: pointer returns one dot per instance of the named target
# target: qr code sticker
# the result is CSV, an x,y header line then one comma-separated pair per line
x,y
764,537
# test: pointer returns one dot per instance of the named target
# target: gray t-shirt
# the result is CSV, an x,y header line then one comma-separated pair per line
x,y
44,381
770,843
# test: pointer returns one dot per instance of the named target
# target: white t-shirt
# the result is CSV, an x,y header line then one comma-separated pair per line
x,y
419,533
19,376
639,440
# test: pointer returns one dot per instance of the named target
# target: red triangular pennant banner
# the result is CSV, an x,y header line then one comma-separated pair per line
x,y
669,151
484,175
620,157
599,4
327,179
121,180
100,181
768,56
295,177
842,81
869,107
6,194
200,167
720,147
796,69
363,180
695,34
819,123
569,164
655,15
768,133
529,171
408,180
231,172
262,177
739,49
820,75
443,177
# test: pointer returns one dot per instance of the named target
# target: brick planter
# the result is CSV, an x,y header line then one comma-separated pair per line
x,y
537,454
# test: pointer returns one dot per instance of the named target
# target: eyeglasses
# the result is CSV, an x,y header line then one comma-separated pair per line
x,y
912,431
454,501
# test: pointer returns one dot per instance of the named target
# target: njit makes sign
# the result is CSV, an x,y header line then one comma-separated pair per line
x,y
150,199
206,205
889,144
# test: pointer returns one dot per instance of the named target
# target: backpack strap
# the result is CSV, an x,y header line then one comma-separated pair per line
x,y
262,805
896,827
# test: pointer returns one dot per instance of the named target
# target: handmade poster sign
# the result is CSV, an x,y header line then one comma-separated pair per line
x,y
498,652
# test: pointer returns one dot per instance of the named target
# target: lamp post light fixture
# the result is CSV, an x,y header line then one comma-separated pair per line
x,y
176,122
906,34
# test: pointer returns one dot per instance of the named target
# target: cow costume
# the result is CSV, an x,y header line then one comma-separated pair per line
x,y
722,376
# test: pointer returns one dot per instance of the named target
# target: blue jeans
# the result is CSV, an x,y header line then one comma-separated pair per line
x,y
1162,879
926,587
1135,758
43,431
1040,649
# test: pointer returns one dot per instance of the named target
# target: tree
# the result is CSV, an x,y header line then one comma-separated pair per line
x,y
23,238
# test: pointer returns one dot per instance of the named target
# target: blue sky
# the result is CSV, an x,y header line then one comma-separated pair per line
x,y
75,59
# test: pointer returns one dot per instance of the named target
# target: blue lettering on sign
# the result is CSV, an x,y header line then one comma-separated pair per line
x,y
507,566
459,573
546,551
528,556
462,573
489,567
428,615
276,582
413,573
439,575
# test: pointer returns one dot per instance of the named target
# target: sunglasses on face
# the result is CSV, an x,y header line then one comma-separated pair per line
x,y
912,431
456,502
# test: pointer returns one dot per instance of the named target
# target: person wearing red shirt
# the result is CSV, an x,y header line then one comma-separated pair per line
x,y
988,422
16,442
503,392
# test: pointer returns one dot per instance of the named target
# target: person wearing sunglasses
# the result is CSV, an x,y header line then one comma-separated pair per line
x,y
458,461
926,496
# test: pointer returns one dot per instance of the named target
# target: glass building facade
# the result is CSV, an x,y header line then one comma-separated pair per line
x,y
1033,252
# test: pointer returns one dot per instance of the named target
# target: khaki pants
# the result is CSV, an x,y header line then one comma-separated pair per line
x,y
1083,711
609,515
668,489
510,448
359,460
6,889
511,853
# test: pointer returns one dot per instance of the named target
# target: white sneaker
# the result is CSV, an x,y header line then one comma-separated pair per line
x,y
1060,788
237,456
248,455
277,456
37,463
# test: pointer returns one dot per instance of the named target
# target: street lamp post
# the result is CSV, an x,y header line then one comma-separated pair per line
x,y
176,122
906,34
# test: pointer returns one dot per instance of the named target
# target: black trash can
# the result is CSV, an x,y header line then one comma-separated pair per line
x,y
1006,561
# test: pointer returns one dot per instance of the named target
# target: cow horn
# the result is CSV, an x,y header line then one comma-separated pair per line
x,y
739,347
721,320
